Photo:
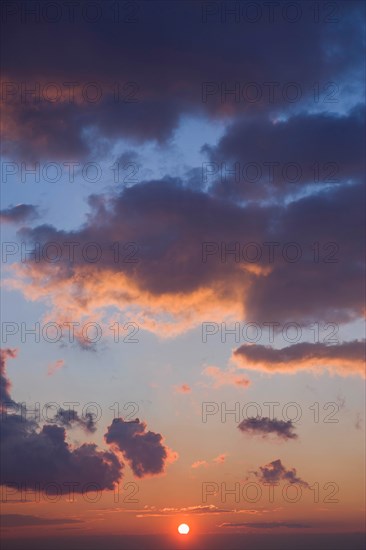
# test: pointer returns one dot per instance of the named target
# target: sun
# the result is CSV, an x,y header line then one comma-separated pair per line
x,y
183,529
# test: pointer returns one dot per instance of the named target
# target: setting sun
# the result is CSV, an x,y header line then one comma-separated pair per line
x,y
183,529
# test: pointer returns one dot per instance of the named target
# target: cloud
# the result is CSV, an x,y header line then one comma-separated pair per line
x,y
266,426
346,358
143,450
183,388
276,471
35,457
220,459
201,510
275,160
358,421
169,289
341,400
199,463
40,458
229,378
4,381
54,367
268,525
39,127
70,418
310,289
19,213
21,520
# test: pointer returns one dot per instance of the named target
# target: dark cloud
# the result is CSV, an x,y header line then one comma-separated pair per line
x,y
358,421
330,289
22,520
143,450
19,213
170,219
71,131
39,457
200,510
169,66
5,385
226,538
275,471
345,357
265,426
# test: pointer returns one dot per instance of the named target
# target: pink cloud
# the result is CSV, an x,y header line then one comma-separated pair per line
x,y
220,459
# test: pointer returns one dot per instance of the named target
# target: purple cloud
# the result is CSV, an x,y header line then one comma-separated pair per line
x,y
275,471
265,426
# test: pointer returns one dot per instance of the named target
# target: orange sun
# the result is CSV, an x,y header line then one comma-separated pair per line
x,y
183,529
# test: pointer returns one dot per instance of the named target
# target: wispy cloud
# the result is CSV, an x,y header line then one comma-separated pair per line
x,y
21,520
267,525
19,213
183,388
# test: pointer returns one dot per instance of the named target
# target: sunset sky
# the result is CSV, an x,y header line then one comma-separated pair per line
x,y
182,258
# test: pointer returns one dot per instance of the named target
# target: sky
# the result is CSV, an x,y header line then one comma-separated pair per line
x,y
182,236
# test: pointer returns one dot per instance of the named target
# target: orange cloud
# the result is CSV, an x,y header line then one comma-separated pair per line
x,y
184,388
84,295
346,358
220,459
5,385
199,463
182,270
53,367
